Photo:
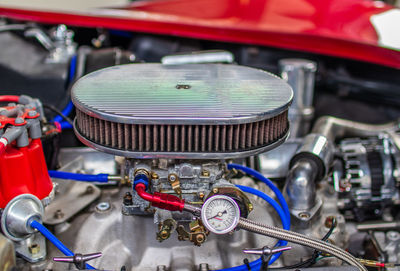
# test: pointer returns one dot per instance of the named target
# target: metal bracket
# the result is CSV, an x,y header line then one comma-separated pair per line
x,y
71,196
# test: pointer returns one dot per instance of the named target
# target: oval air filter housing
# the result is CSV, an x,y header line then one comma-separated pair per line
x,y
196,111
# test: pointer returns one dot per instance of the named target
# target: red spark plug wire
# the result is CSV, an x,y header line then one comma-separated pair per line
x,y
9,98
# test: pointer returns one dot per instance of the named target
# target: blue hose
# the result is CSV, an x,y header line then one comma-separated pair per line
x,y
265,180
120,33
65,125
66,111
72,69
100,178
70,106
285,221
283,211
57,243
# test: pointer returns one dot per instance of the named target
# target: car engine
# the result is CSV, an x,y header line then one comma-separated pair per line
x,y
163,153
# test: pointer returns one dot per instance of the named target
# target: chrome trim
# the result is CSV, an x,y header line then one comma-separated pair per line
x,y
223,94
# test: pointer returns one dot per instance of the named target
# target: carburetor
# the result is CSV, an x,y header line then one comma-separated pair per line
x,y
192,180
176,126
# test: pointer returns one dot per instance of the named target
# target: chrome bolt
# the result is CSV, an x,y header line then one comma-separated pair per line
x,y
172,177
78,259
393,236
103,206
304,215
266,250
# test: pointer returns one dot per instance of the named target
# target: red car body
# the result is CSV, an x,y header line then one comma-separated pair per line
x,y
339,28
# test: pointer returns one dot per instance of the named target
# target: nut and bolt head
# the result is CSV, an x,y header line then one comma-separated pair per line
x,y
154,176
393,236
200,238
164,234
58,214
103,206
34,248
172,177
205,173
250,206
128,199
304,215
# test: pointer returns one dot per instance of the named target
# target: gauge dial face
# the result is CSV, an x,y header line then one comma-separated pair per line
x,y
220,214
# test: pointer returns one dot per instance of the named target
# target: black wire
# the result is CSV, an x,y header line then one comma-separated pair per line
x,y
309,262
247,263
326,236
264,262
58,112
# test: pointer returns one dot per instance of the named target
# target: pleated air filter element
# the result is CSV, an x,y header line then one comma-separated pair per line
x,y
197,111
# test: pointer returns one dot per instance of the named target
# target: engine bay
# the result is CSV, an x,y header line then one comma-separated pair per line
x,y
132,151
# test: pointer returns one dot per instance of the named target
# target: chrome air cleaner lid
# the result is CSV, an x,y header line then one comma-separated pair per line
x,y
186,111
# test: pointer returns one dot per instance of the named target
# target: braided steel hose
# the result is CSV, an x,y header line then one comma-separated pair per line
x,y
297,238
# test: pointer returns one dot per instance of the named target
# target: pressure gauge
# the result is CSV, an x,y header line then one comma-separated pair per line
x,y
220,214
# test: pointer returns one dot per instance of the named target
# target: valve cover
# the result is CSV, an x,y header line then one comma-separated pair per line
x,y
197,111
